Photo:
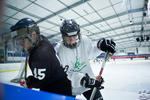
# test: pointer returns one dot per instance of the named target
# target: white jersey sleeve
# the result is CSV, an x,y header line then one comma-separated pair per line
x,y
91,47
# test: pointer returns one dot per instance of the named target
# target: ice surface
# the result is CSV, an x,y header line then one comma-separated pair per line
x,y
124,80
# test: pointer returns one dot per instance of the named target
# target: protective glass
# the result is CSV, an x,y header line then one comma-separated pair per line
x,y
21,35
32,28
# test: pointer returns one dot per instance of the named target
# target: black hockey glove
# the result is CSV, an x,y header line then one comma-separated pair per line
x,y
88,82
27,83
106,45
30,80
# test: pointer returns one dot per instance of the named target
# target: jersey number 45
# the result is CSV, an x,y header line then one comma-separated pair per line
x,y
39,73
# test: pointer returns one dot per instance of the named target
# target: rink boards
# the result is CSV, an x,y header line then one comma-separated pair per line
x,y
18,57
124,78
127,56
131,56
10,92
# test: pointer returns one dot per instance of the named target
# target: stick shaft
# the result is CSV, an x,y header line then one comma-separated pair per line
x,y
26,65
99,76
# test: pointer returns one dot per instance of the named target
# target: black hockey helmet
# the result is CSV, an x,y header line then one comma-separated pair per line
x,y
27,23
23,29
70,28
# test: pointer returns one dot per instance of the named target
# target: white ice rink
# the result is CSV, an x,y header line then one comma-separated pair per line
x,y
124,80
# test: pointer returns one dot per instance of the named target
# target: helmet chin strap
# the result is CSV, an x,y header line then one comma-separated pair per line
x,y
33,44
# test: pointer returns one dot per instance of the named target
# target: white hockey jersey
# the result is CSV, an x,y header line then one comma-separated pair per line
x,y
78,61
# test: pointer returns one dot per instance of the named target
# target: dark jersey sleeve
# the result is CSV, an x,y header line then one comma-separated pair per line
x,y
45,66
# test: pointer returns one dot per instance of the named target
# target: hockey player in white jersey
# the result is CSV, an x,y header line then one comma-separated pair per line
x,y
74,53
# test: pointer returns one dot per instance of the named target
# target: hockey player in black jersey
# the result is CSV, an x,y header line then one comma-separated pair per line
x,y
48,75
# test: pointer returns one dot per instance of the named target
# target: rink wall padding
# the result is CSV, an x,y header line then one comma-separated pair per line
x,y
10,92
14,57
17,57
126,56
130,56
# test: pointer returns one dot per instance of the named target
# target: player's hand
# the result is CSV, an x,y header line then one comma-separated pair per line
x,y
30,80
23,83
106,45
88,82
27,83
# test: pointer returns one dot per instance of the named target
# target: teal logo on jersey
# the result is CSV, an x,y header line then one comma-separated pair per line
x,y
79,66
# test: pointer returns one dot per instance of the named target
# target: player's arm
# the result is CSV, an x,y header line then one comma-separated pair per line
x,y
42,70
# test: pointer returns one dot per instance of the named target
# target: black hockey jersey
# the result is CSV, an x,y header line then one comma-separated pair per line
x,y
49,75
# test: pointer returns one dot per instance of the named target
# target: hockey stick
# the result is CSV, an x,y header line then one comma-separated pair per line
x,y
26,65
23,72
23,82
100,73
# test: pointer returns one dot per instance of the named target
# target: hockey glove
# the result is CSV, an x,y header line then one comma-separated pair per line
x,y
88,82
23,83
30,80
106,45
